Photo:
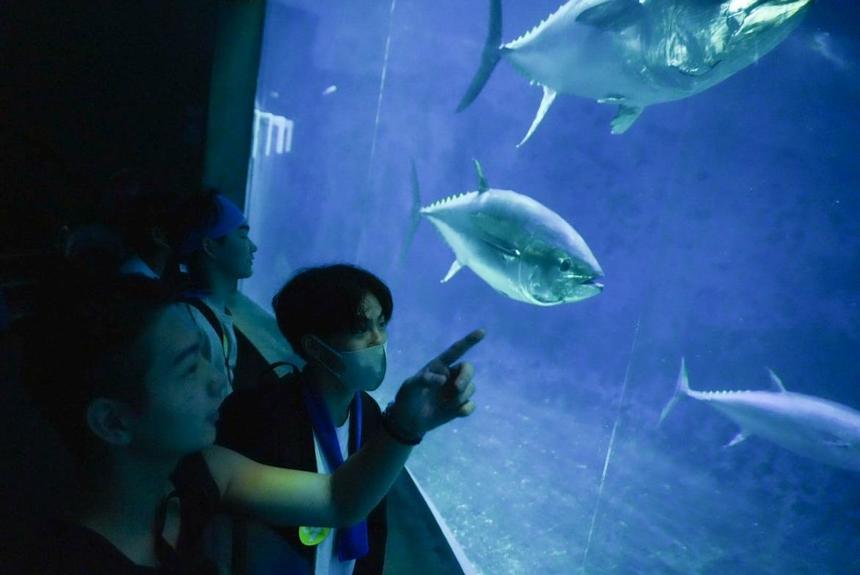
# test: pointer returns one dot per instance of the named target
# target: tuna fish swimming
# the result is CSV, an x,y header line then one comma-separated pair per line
x,y
635,53
823,430
517,245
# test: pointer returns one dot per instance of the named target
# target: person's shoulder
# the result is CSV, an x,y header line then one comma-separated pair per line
x,y
248,413
267,395
256,421
193,304
200,320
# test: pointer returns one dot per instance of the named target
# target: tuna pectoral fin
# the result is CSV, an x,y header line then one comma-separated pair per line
x,y
489,57
741,436
624,118
682,387
548,98
455,267
508,251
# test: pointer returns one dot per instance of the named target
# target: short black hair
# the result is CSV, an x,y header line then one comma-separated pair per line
x,y
326,300
83,342
135,202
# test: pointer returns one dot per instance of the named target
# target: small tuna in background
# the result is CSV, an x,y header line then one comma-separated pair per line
x,y
517,245
635,53
822,43
810,426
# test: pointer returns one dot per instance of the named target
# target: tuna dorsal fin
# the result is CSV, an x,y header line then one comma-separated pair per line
x,y
548,98
741,436
482,181
775,381
455,267
625,117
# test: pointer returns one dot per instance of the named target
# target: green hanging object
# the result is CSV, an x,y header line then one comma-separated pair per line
x,y
312,536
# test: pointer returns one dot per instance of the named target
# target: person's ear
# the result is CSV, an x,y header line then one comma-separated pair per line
x,y
159,238
110,420
209,247
310,346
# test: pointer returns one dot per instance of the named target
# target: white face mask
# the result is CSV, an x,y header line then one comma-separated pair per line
x,y
364,369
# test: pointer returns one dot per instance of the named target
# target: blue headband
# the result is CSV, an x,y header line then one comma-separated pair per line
x,y
228,218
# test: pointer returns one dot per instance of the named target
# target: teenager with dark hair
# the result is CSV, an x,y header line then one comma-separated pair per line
x,y
141,211
335,318
148,217
218,253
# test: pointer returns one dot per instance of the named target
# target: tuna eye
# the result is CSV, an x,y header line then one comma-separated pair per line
x,y
565,265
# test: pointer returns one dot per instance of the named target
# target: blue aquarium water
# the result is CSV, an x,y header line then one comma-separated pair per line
x,y
726,225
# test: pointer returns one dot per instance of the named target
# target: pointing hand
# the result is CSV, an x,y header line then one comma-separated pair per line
x,y
439,392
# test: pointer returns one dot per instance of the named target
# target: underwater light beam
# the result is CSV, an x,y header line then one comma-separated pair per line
x,y
376,119
381,90
611,445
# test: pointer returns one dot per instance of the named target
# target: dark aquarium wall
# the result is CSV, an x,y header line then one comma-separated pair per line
x,y
726,227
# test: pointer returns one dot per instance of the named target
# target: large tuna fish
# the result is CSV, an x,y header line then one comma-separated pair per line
x,y
517,245
810,426
635,53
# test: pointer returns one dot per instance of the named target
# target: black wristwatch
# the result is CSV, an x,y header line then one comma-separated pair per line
x,y
395,431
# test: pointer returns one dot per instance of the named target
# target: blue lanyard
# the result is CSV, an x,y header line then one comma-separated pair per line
x,y
351,542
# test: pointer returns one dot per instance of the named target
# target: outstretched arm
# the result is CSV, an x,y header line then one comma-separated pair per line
x,y
438,393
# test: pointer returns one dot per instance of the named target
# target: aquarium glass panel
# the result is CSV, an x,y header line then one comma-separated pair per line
x,y
718,224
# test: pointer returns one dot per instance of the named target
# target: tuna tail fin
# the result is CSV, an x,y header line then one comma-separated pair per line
x,y
415,214
682,388
489,57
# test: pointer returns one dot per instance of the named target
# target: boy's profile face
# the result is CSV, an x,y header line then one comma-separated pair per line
x,y
234,253
183,390
362,371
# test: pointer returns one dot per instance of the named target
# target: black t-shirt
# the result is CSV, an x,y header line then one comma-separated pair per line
x,y
271,425
71,549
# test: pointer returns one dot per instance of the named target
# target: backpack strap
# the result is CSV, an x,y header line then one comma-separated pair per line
x,y
215,323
